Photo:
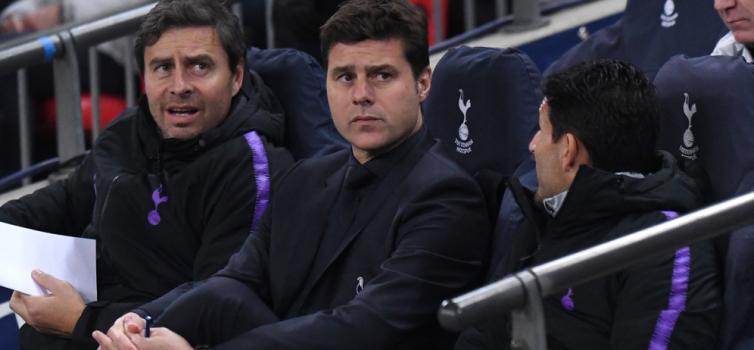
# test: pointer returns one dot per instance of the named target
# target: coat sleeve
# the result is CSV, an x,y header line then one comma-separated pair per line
x,y
63,207
672,302
493,334
441,244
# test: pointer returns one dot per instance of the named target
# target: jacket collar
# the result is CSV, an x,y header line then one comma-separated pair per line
x,y
728,46
598,196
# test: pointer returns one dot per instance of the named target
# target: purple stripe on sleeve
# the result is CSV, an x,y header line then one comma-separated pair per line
x,y
261,174
670,215
677,304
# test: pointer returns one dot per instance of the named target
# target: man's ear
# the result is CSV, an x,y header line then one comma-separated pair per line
x,y
424,83
574,154
238,74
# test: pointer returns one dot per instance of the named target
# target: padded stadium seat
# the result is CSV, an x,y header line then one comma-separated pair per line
x,y
484,107
708,122
649,33
110,107
298,82
509,216
8,326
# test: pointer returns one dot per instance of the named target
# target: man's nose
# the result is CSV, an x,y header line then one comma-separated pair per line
x,y
533,142
180,84
362,92
722,5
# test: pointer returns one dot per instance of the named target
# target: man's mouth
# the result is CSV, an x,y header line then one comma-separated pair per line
x,y
364,119
184,111
736,21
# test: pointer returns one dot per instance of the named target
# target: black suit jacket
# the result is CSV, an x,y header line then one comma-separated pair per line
x,y
421,237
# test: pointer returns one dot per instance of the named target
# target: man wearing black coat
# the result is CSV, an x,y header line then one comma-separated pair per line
x,y
172,188
358,248
599,178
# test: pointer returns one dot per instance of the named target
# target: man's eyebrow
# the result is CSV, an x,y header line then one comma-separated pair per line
x,y
157,61
199,57
342,69
379,68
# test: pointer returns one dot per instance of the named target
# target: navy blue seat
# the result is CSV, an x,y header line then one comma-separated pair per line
x,y
708,122
484,107
298,82
649,33
8,326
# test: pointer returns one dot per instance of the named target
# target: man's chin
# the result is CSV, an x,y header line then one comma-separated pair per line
x,y
745,37
179,133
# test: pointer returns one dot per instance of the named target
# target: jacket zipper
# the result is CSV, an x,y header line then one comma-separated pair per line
x,y
104,204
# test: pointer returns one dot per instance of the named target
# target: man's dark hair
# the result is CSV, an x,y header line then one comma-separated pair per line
x,y
612,108
360,20
169,14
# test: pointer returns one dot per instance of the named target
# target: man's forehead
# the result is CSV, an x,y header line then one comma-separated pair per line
x,y
367,53
199,38
544,107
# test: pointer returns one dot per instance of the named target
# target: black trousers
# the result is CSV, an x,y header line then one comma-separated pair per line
x,y
216,311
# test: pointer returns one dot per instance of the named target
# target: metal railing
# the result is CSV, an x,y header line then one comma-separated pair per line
x,y
526,15
521,293
506,22
60,49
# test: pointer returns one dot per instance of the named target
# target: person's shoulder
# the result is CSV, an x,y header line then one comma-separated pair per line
x,y
435,175
123,121
440,166
117,135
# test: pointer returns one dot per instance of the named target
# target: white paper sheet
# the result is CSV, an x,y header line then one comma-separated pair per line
x,y
68,258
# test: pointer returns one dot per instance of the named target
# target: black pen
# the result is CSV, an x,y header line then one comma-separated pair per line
x,y
148,327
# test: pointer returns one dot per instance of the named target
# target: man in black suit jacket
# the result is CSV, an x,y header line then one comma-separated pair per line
x,y
357,248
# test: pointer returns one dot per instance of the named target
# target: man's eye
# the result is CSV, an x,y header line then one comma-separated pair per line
x,y
345,77
384,76
161,68
200,68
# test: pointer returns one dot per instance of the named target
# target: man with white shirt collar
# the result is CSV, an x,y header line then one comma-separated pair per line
x,y
599,178
738,16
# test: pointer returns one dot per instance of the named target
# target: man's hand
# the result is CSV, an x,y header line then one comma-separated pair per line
x,y
121,333
56,313
128,335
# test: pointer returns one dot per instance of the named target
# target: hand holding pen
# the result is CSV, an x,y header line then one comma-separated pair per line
x,y
132,332
148,326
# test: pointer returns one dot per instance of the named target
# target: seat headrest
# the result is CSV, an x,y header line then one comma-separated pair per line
x,y
604,43
298,82
483,106
649,33
708,117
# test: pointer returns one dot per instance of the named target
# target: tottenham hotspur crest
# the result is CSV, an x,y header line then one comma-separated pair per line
x,y
668,16
688,148
463,141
